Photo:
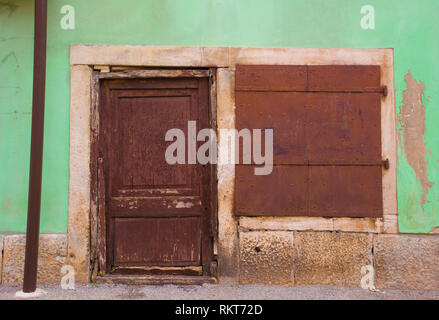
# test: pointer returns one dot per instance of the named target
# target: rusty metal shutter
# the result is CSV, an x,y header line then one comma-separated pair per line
x,y
327,140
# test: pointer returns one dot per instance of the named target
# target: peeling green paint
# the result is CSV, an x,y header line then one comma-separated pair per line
x,y
410,27
412,133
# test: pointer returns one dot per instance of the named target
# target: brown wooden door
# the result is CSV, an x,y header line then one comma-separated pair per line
x,y
158,216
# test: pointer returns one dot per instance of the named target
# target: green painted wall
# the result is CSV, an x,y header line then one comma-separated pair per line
x,y
410,27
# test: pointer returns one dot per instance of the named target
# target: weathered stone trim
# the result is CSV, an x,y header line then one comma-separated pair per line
x,y
79,179
223,57
52,257
149,56
387,224
228,245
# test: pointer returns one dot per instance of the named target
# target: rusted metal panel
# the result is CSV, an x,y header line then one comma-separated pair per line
x,y
284,112
156,214
270,78
343,127
327,140
344,78
345,191
282,193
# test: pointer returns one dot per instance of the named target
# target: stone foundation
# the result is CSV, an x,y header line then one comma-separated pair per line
x,y
331,258
337,258
266,258
406,262
52,257
287,258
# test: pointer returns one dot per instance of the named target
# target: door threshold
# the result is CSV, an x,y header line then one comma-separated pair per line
x,y
156,271
155,279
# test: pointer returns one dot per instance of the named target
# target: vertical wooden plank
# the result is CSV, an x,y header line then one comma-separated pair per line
x,y
271,78
343,127
101,223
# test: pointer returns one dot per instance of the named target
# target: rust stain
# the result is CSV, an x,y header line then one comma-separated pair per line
x,y
412,120
6,203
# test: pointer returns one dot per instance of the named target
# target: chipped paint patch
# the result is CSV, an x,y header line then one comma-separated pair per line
x,y
133,205
182,205
411,134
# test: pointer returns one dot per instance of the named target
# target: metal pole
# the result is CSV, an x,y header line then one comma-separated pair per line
x,y
36,154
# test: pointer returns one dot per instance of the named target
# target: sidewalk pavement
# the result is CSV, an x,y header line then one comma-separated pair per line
x,y
217,292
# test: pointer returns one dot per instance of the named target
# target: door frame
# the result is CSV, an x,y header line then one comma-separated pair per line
x,y
98,236
85,59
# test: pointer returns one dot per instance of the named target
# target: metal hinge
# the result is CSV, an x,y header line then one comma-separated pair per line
x,y
384,91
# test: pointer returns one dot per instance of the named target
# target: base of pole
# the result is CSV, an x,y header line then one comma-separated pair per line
x,y
37,293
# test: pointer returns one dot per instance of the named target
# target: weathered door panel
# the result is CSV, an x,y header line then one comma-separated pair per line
x,y
154,235
156,214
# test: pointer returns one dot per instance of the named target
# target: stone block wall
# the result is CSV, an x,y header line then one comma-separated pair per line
x,y
282,257
336,259
52,257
